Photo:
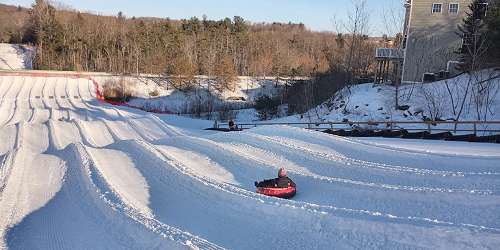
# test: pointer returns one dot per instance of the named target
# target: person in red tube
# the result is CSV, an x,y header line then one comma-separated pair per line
x,y
281,182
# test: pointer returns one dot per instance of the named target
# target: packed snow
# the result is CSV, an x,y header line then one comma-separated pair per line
x,y
15,56
76,173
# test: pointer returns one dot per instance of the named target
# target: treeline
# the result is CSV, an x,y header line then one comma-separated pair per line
x,y
12,23
70,40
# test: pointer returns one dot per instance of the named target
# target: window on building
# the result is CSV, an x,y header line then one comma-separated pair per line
x,y
453,8
437,7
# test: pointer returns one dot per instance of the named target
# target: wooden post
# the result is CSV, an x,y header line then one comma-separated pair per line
x,y
380,71
429,129
383,71
387,66
475,129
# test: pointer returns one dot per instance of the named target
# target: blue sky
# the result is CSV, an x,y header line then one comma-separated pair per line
x,y
315,14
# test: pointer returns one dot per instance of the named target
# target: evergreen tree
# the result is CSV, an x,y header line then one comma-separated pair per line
x,y
493,27
267,107
473,34
47,33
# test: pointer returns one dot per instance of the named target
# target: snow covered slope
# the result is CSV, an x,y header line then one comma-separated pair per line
x,y
152,92
79,174
438,100
15,56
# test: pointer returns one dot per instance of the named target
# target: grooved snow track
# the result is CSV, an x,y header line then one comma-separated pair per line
x,y
352,195
79,173
337,164
190,171
147,220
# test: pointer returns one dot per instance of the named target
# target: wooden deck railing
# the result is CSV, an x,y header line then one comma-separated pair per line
x,y
429,126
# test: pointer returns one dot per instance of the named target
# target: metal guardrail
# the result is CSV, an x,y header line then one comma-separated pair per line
x,y
429,126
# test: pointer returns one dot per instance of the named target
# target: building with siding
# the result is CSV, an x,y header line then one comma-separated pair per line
x,y
431,37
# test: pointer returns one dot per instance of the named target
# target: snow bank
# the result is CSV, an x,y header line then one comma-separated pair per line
x,y
15,56
439,100
154,93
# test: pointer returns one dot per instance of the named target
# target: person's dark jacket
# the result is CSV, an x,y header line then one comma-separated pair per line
x,y
281,182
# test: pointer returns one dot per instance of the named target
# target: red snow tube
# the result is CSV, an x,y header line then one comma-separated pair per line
x,y
285,193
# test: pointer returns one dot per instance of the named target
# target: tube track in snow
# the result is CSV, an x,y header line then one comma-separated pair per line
x,y
77,173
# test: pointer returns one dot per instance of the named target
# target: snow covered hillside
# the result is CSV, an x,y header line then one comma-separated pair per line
x,y
156,93
76,173
366,102
440,100
14,56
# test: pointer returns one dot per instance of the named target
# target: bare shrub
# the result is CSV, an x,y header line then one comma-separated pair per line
x,y
154,93
434,98
267,107
226,74
118,90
